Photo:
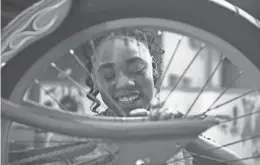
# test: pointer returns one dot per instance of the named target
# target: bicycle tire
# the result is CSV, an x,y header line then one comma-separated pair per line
x,y
96,12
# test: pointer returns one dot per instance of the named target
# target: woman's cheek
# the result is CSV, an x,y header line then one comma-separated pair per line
x,y
148,88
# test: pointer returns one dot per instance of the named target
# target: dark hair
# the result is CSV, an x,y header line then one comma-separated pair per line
x,y
146,36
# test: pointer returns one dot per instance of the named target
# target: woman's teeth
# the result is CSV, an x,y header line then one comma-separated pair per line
x,y
128,99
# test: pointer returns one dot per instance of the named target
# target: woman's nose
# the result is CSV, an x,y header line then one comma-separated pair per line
x,y
124,81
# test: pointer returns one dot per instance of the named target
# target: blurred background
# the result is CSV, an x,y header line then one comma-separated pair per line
x,y
69,95
11,8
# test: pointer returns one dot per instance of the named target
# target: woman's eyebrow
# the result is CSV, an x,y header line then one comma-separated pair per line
x,y
106,65
134,59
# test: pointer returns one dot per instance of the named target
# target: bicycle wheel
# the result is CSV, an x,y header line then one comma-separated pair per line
x,y
62,35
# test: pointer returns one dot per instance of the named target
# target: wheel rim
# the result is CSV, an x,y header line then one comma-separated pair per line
x,y
139,22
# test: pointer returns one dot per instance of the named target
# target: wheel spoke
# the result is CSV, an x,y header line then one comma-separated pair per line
x,y
222,93
205,85
34,152
171,59
46,92
233,99
72,53
68,77
57,151
232,143
182,75
118,111
216,148
75,82
239,117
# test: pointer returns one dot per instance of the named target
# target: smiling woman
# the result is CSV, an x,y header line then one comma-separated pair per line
x,y
124,68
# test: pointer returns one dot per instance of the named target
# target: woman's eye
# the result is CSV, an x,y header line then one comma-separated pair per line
x,y
108,76
137,68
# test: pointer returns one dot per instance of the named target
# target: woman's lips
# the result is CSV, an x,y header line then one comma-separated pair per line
x,y
128,98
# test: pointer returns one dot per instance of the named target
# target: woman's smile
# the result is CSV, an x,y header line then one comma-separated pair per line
x,y
128,99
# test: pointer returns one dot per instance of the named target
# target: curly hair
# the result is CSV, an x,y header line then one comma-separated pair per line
x,y
145,36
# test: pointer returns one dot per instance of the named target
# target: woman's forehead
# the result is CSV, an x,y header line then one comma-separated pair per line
x,y
112,51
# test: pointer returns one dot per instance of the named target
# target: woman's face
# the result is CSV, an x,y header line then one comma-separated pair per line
x,y
124,71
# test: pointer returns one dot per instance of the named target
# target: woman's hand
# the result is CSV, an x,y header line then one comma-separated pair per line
x,y
164,114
